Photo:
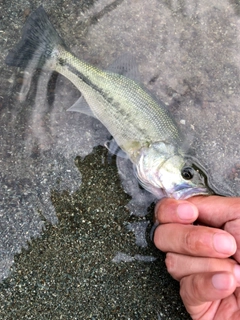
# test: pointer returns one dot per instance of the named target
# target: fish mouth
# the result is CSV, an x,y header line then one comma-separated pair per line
x,y
185,193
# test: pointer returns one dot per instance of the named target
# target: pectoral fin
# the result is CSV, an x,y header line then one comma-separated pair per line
x,y
114,148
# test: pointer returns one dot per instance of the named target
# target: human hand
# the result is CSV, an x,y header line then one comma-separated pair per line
x,y
198,256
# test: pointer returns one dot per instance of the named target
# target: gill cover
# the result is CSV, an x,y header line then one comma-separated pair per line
x,y
164,172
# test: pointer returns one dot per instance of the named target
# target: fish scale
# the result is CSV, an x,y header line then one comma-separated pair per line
x,y
136,110
140,108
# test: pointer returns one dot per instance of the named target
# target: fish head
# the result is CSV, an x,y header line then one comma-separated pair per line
x,y
166,173
182,179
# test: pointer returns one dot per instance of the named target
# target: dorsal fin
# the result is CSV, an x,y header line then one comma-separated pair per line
x,y
126,66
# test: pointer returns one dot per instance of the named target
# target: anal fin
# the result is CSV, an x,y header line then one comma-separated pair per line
x,y
82,106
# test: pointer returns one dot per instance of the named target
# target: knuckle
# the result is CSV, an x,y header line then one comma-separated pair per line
x,y
170,262
163,210
189,240
232,226
172,265
189,290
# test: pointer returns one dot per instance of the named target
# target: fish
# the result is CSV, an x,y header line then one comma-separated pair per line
x,y
141,126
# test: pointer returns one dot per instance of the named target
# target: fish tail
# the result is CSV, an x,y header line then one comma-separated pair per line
x,y
39,39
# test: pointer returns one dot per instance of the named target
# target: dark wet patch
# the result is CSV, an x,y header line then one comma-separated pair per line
x,y
68,273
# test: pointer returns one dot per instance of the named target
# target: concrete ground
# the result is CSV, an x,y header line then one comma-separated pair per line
x,y
65,218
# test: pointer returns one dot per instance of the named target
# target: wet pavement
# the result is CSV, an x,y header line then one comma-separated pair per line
x,y
65,219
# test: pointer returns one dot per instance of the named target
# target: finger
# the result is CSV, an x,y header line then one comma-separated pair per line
x,y
180,211
233,228
194,240
215,210
180,266
198,291
229,307
199,288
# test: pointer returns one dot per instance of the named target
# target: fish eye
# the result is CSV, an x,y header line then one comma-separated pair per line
x,y
187,173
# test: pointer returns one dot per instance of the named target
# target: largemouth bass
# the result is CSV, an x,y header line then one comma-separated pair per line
x,y
140,125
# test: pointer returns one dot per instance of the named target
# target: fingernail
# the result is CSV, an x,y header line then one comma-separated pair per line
x,y
222,281
224,243
186,212
236,271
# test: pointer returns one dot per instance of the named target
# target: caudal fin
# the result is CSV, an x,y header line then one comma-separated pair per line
x,y
39,38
